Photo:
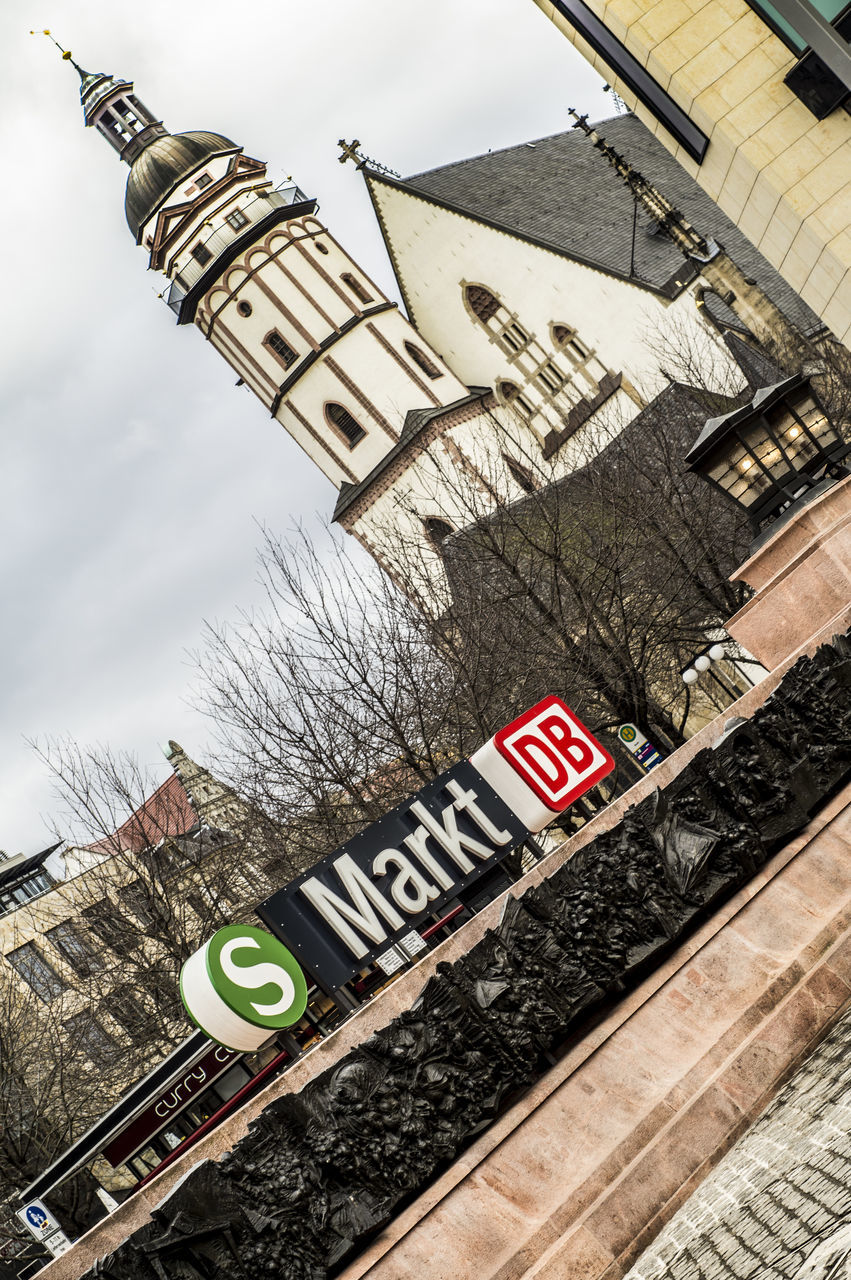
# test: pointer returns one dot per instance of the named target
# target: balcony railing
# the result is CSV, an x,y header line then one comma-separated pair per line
x,y
223,237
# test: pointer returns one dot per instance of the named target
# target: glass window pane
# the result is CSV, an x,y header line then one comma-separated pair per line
x,y
85,1032
829,9
38,974
71,946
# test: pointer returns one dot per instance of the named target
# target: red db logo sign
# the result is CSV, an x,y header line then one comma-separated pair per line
x,y
553,753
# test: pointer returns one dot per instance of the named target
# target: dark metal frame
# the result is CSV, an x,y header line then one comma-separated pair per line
x,y
627,68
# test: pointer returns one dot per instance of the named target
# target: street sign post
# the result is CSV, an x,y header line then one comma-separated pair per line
x,y
639,746
42,1226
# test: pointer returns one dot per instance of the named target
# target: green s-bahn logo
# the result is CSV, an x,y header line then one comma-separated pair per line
x,y
242,986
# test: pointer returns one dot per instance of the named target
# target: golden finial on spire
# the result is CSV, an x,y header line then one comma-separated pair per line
x,y
66,53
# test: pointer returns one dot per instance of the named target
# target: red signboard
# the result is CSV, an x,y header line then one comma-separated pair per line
x,y
553,752
169,1103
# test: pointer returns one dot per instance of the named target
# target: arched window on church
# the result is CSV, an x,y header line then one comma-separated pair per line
x,y
356,287
566,340
496,317
437,530
422,361
522,475
482,302
348,427
510,394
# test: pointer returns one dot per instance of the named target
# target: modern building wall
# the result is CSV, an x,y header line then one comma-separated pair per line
x,y
713,72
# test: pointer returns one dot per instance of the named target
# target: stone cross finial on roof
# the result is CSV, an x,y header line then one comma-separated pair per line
x,y
669,219
350,152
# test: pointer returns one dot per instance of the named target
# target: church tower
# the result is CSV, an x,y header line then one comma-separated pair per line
x,y
252,266
216,804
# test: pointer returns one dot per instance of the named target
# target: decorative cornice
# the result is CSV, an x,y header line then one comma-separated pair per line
x,y
169,220
324,346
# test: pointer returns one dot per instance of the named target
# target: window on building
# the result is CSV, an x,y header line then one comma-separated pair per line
x,y
244,308
71,945
281,348
510,393
550,379
236,219
521,474
125,1006
322,248
139,901
514,336
201,254
782,21
105,922
13,895
482,302
492,313
86,1033
345,423
37,973
566,339
437,529
422,361
356,287
203,181
162,988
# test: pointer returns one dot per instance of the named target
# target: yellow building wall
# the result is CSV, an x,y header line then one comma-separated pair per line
x,y
781,175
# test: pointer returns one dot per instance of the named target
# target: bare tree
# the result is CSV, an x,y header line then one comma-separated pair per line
x,y
89,996
340,697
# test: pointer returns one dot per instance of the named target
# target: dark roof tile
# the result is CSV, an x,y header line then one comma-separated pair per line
x,y
560,191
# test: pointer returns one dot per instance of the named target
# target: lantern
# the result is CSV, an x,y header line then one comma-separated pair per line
x,y
772,451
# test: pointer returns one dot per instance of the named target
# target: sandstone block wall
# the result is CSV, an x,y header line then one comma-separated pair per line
x,y
781,175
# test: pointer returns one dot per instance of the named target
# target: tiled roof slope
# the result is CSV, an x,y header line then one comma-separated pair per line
x,y
561,191
168,812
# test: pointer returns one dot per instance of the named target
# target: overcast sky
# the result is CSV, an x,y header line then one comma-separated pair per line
x,y
134,473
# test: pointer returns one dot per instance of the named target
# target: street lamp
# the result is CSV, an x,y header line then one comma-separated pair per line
x,y
771,452
709,659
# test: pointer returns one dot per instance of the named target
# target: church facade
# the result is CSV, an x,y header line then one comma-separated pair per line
x,y
536,290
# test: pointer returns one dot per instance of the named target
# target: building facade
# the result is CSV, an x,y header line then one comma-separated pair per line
x,y
751,98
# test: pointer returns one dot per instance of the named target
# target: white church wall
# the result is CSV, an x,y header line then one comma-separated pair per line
x,y
437,252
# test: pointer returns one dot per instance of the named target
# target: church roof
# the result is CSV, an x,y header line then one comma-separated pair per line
x,y
561,193
163,164
166,813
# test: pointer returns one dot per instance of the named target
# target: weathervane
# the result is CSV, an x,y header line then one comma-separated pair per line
x,y
350,152
66,53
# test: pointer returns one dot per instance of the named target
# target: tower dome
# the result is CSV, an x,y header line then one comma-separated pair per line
x,y
162,166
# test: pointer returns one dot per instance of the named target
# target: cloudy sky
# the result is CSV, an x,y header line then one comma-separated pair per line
x,y
134,474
